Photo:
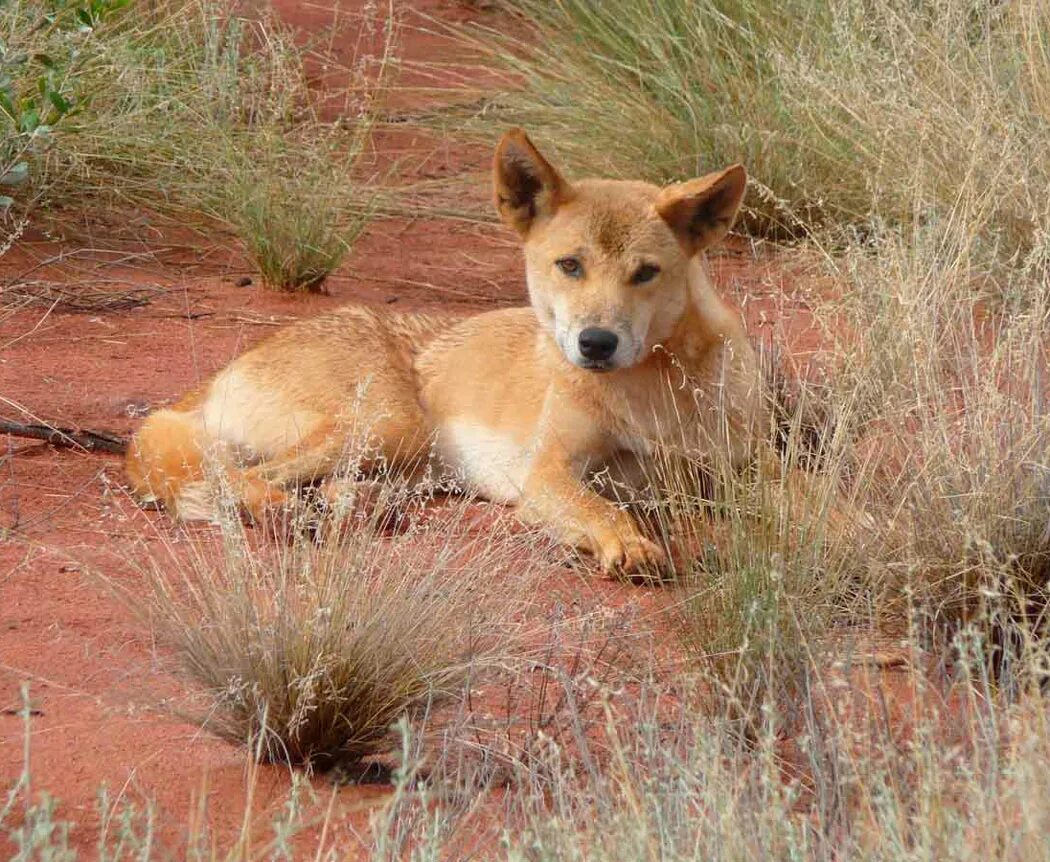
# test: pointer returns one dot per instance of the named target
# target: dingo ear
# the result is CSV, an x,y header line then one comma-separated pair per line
x,y
527,186
702,211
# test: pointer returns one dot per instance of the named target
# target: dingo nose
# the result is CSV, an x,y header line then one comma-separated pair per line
x,y
598,344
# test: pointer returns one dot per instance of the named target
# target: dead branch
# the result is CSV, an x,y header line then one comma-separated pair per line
x,y
67,438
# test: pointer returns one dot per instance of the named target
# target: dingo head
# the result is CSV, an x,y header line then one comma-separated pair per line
x,y
607,261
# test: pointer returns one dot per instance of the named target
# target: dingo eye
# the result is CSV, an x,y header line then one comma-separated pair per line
x,y
646,272
570,266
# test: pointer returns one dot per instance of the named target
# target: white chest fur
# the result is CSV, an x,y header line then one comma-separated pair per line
x,y
485,460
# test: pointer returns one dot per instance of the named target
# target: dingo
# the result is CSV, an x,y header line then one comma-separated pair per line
x,y
625,346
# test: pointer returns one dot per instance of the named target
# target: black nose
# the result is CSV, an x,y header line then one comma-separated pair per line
x,y
598,344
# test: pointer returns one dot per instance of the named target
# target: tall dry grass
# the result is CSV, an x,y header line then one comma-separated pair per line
x,y
965,782
953,414
940,773
929,498
843,111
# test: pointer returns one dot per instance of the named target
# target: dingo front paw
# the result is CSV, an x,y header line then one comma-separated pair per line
x,y
631,554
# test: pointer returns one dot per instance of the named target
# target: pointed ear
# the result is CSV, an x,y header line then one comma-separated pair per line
x,y
527,186
702,211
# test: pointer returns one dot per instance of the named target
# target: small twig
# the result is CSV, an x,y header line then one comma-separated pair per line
x,y
261,321
83,296
186,315
89,441
61,257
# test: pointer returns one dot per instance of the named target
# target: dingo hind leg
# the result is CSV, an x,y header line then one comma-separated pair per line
x,y
397,443
328,393
396,439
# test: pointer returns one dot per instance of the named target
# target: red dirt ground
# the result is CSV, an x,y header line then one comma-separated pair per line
x,y
101,689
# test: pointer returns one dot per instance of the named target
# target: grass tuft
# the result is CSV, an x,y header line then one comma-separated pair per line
x,y
293,216
311,650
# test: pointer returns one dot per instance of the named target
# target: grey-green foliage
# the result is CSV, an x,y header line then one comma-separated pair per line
x,y
43,47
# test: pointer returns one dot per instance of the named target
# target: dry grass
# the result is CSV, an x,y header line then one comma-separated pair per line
x,y
843,112
86,297
310,649
661,780
676,785
201,114
953,415
35,830
932,494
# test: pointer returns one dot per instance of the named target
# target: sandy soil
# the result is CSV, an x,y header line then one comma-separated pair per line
x,y
102,691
